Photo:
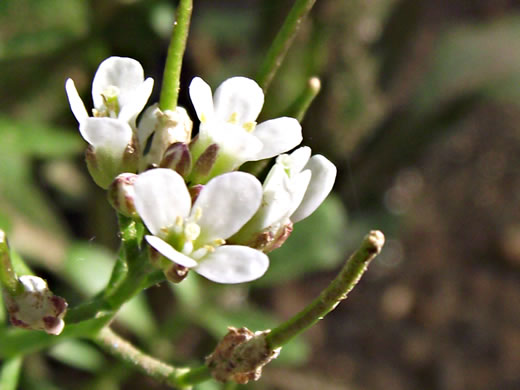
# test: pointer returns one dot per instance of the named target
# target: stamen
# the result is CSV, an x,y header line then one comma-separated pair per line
x,y
233,119
249,126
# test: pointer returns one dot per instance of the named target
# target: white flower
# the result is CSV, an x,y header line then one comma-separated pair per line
x,y
229,119
119,90
119,93
194,236
293,189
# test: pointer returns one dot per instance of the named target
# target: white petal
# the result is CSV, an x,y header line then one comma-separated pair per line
x,y
110,135
124,73
200,95
147,124
160,197
227,202
137,101
169,252
234,141
299,186
322,181
277,198
299,158
238,96
233,264
76,104
278,136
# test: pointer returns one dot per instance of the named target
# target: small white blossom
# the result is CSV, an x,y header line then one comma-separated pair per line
x,y
119,90
193,236
228,119
119,93
293,189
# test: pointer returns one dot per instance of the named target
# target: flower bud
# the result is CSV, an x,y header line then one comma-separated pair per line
x,y
104,168
205,164
36,307
168,127
240,356
178,158
121,194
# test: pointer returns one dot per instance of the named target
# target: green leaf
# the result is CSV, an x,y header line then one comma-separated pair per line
x,y
316,243
10,373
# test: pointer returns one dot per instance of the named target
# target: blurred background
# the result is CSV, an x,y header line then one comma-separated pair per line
x,y
420,111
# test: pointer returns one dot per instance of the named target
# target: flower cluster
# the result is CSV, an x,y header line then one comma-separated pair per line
x,y
202,213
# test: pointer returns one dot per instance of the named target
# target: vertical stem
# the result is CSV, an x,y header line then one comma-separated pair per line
x,y
282,42
172,69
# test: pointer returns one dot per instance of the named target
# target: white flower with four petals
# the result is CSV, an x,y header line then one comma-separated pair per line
x,y
193,236
228,119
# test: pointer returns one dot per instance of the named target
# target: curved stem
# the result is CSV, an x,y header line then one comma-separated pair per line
x,y
302,103
334,293
172,69
282,42
165,373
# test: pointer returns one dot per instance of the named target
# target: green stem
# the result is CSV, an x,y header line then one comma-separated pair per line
x,y
172,69
165,373
282,42
8,280
330,297
302,103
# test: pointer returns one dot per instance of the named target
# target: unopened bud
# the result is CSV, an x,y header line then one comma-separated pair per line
x,y
104,168
240,356
195,192
178,158
205,164
175,273
169,127
121,194
36,307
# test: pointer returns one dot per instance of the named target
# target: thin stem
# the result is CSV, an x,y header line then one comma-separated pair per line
x,y
8,280
282,42
165,373
330,297
302,103
172,69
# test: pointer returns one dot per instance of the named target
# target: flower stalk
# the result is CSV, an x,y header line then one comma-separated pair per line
x,y
282,42
335,292
172,69
8,280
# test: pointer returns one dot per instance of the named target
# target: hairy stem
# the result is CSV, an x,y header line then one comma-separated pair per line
x,y
334,293
172,69
165,373
282,42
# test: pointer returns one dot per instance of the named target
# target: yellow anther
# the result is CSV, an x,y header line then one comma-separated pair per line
x,y
249,126
209,248
197,214
203,118
179,221
233,118
219,241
